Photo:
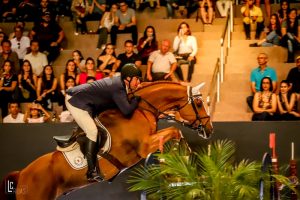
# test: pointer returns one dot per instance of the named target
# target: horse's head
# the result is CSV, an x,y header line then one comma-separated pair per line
x,y
166,96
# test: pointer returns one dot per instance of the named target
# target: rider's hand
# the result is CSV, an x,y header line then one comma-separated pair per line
x,y
138,98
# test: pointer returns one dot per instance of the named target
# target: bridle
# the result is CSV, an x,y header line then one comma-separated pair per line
x,y
200,128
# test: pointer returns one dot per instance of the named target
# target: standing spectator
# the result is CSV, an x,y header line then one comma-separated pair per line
x,y
8,83
147,44
162,63
15,116
90,71
290,30
70,71
37,59
79,60
106,23
50,35
207,11
8,11
34,112
125,22
294,77
2,37
265,102
79,9
27,83
45,7
284,10
8,54
107,60
20,44
223,6
257,74
267,6
128,57
273,32
96,9
287,102
252,14
186,47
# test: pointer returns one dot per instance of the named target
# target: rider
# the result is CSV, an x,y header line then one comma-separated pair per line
x,y
86,101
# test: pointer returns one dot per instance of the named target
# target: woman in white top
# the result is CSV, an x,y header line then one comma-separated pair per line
x,y
185,48
107,21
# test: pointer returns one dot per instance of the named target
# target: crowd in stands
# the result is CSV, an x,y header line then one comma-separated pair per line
x,y
26,58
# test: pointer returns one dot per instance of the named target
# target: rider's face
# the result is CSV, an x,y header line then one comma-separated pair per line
x,y
134,83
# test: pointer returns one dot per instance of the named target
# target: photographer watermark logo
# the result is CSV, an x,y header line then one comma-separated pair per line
x,y
10,187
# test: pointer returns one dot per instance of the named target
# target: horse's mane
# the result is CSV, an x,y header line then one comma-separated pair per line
x,y
149,84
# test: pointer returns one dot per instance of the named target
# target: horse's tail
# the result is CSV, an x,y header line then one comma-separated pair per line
x,y
8,186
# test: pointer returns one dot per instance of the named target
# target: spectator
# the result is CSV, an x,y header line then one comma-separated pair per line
x,y
173,5
147,44
37,59
252,14
207,11
294,77
125,22
50,35
287,102
70,71
47,88
2,37
79,9
263,70
45,7
284,10
90,71
15,116
264,103
106,22
79,60
291,34
8,54
27,10
27,83
192,6
223,6
128,57
267,6
142,4
161,63
273,32
20,44
107,60
96,10
20,24
186,47
8,11
34,112
90,79
65,115
8,83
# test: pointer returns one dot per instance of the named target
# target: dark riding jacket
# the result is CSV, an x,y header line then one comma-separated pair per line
x,y
100,95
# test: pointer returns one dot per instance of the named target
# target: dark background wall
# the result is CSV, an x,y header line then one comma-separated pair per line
x,y
20,144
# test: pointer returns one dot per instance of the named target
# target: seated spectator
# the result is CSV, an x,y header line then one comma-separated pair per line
x,y
206,11
128,57
90,71
147,44
223,6
47,88
27,83
96,9
290,30
107,60
125,22
2,37
49,35
185,46
252,14
79,9
70,71
44,7
284,10
27,10
20,44
192,6
106,22
8,83
173,5
263,70
90,79
273,34
37,59
162,63
267,6
15,116
35,113
287,103
142,4
264,102
294,77
8,11
20,24
79,60
8,54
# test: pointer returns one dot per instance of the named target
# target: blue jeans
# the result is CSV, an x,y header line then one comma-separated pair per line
x,y
272,39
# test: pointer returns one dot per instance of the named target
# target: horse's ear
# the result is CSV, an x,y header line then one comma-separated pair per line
x,y
196,89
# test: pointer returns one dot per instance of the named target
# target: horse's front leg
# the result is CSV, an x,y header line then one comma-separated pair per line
x,y
156,141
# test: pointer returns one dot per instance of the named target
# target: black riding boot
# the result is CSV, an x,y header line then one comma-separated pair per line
x,y
91,156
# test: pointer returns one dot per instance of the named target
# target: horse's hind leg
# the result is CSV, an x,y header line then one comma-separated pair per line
x,y
155,141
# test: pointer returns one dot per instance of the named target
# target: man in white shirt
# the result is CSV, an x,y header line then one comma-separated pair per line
x,y
161,63
20,44
37,59
15,116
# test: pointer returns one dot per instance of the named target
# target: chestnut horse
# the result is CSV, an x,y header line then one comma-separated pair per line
x,y
132,139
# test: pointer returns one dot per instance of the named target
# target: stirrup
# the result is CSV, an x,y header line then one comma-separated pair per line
x,y
94,176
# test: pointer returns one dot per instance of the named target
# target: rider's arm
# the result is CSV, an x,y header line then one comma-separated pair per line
x,y
121,99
